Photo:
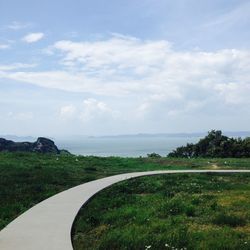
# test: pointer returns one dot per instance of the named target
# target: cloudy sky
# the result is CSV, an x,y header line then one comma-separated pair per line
x,y
124,66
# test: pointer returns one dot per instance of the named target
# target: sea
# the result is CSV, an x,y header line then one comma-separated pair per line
x,y
125,145
133,146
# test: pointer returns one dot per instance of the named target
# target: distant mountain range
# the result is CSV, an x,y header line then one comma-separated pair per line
x,y
139,135
184,135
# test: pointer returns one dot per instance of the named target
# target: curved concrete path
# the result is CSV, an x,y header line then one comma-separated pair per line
x,y
47,226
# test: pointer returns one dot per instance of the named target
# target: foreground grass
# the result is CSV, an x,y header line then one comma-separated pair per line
x,y
28,178
180,211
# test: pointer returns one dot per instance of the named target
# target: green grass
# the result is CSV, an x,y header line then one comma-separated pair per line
x,y
180,211
28,178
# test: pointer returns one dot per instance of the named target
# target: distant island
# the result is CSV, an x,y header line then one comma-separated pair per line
x,y
41,145
215,144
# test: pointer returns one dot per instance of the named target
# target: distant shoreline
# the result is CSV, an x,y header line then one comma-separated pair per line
x,y
136,135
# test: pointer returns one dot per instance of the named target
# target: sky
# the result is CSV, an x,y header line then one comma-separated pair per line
x,y
124,66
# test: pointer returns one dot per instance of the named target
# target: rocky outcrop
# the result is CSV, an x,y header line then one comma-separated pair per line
x,y
41,145
44,145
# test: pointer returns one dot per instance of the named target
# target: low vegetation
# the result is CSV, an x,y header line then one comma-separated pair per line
x,y
181,211
28,178
141,212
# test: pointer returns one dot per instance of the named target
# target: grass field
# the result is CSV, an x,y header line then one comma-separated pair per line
x,y
180,211
28,178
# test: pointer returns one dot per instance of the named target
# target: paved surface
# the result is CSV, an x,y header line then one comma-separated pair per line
x,y
47,226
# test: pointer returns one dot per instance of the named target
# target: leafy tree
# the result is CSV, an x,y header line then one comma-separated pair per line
x,y
215,144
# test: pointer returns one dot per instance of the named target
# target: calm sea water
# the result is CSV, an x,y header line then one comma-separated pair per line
x,y
126,147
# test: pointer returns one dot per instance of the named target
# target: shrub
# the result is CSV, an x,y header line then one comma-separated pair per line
x,y
153,155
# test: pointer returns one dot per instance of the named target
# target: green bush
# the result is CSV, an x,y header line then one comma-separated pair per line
x,y
153,155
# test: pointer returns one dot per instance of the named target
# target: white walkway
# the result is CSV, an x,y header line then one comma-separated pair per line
x,y
47,226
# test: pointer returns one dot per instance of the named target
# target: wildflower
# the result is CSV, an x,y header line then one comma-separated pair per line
x,y
166,245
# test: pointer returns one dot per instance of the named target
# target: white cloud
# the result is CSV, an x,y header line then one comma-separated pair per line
x,y
131,65
147,76
68,112
4,46
119,53
33,37
90,109
18,25
15,66
234,93
94,109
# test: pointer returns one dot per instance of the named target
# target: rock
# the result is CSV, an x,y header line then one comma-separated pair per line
x,y
7,145
44,145
41,145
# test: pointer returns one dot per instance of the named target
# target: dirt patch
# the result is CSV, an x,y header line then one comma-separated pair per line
x,y
214,166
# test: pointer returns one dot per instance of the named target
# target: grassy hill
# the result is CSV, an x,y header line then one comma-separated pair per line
x,y
28,178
